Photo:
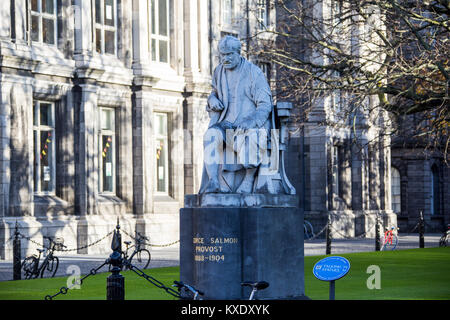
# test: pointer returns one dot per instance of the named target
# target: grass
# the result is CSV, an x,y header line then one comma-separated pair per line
x,y
416,274
405,274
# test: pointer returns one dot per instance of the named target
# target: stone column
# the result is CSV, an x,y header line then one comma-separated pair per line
x,y
143,163
374,177
346,173
5,20
140,35
358,178
5,161
196,72
5,149
142,131
191,36
316,169
19,21
203,38
86,150
65,155
125,153
83,34
21,149
195,125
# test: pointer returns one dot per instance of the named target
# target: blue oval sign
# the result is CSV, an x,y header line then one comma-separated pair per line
x,y
331,268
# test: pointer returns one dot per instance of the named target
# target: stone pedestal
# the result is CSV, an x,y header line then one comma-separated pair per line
x,y
220,247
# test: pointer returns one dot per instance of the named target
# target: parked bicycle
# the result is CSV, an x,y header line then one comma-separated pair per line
x,y
308,230
445,238
191,292
31,267
140,257
390,239
256,286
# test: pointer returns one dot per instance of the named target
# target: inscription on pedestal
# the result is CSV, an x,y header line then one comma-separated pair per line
x,y
213,249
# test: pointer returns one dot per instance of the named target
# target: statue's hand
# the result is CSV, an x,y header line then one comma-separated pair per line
x,y
246,123
214,104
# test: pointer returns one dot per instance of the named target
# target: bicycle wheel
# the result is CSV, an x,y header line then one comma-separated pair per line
x,y
443,241
389,244
51,267
141,259
29,267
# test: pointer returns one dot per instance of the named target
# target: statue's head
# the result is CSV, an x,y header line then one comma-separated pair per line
x,y
229,52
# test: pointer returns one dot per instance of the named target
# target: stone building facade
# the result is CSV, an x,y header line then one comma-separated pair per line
x,y
421,182
102,107
102,116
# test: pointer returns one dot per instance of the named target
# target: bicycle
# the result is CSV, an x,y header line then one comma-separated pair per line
x,y
390,239
308,230
31,267
443,241
140,257
190,290
256,286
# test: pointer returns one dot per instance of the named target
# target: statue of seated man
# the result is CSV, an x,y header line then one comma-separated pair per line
x,y
239,107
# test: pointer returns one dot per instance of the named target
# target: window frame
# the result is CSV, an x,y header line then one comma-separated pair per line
x,y
232,11
107,132
37,179
399,194
166,140
157,37
44,15
435,208
104,27
262,9
336,170
266,68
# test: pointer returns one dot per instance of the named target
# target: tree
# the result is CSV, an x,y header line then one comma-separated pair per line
x,y
391,52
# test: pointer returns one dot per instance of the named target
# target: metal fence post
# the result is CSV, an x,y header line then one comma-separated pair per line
x,y
115,283
421,231
328,236
17,255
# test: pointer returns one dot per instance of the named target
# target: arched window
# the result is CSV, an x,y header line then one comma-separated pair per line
x,y
435,208
395,190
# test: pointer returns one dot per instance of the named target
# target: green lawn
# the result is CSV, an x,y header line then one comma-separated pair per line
x,y
405,274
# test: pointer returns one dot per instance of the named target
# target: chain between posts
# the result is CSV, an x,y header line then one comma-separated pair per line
x,y
338,232
152,280
150,244
64,290
65,250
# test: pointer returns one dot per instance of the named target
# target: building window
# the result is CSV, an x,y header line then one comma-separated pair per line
x,y
336,170
105,26
265,68
262,14
336,96
395,190
228,10
162,153
44,147
159,30
107,143
43,21
435,205
336,12
226,33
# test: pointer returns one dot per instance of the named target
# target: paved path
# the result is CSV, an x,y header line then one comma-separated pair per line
x,y
169,256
